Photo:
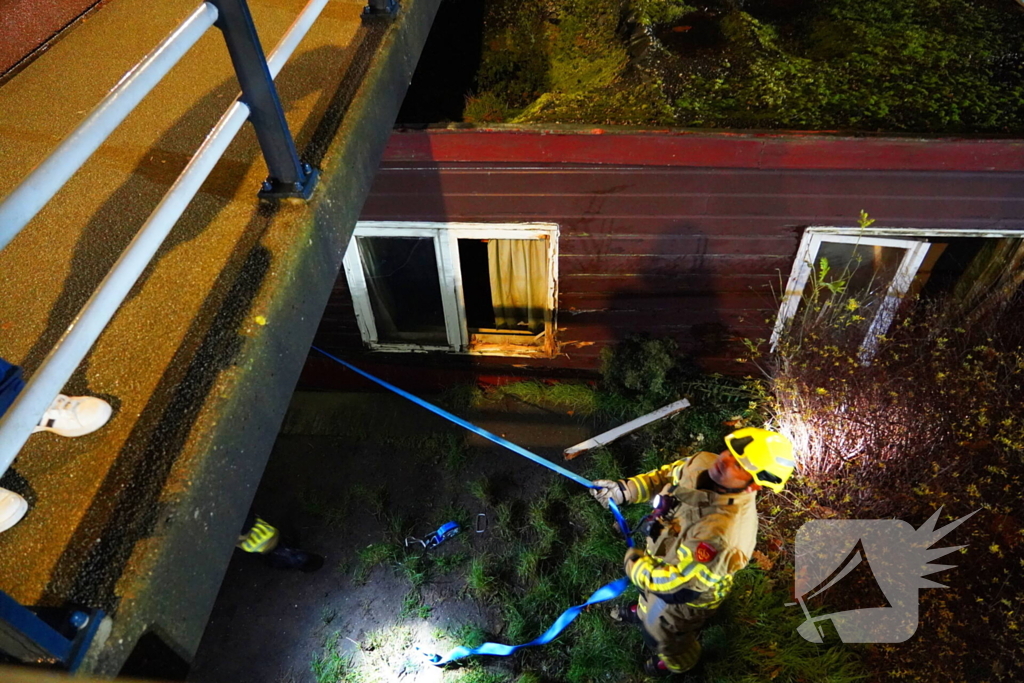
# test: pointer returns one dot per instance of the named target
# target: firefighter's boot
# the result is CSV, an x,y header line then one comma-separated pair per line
x,y
624,614
283,557
654,666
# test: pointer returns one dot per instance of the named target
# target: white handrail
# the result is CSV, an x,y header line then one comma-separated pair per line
x,y
21,205
22,417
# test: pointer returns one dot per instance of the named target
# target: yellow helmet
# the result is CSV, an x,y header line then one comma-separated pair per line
x,y
765,454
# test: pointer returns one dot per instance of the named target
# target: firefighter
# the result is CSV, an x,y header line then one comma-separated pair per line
x,y
260,538
702,531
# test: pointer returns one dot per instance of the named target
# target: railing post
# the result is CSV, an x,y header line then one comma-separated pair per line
x,y
289,177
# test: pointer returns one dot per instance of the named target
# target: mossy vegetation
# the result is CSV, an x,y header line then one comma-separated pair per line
x,y
955,66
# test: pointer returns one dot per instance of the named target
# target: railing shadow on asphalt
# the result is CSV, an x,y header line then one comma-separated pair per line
x,y
124,509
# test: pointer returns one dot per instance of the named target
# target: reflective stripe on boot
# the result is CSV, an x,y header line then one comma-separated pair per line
x,y
262,538
683,659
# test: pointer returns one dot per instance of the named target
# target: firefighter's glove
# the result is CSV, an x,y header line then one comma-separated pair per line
x,y
632,555
609,490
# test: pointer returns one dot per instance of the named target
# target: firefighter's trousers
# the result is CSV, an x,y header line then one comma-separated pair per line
x,y
671,630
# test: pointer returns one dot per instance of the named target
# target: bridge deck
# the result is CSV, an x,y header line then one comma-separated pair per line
x,y
200,361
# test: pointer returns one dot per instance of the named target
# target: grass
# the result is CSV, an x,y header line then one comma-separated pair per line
x,y
602,464
333,511
574,398
448,563
374,555
527,562
481,580
549,548
415,567
507,519
375,498
484,490
445,448
413,607
397,527
331,666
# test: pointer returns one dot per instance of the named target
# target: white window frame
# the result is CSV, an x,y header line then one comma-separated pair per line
x,y
446,238
914,240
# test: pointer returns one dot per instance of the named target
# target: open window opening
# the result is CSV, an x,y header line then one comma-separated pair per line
x,y
883,266
475,288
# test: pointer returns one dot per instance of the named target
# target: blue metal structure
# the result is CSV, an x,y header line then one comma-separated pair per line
x,y
289,177
28,638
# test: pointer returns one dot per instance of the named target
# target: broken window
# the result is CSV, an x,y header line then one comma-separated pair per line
x,y
880,267
477,288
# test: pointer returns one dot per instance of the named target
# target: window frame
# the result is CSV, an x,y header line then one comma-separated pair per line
x,y
914,240
445,237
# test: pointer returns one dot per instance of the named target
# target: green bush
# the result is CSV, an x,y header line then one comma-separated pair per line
x,y
870,65
641,369
932,421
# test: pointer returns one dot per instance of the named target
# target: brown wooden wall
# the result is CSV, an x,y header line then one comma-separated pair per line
x,y
678,245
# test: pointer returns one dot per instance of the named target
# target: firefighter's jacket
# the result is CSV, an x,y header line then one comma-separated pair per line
x,y
695,549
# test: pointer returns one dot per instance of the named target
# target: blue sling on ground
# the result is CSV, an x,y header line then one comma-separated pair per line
x,y
608,592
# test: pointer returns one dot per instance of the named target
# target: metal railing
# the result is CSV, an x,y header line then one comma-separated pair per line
x,y
289,177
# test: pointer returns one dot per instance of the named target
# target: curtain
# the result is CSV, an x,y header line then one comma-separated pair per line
x,y
519,283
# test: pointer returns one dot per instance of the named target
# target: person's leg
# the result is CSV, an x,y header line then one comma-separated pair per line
x,y
263,539
12,506
11,384
671,631
283,557
66,416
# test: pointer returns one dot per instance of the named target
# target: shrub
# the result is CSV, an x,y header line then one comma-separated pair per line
x,y
916,65
932,418
640,368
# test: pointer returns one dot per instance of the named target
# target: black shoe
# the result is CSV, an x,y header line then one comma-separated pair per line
x,y
655,667
291,558
625,614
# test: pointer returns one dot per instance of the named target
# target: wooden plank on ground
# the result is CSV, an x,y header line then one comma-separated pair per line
x,y
622,430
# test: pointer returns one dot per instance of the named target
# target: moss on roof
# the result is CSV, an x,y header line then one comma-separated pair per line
x,y
935,66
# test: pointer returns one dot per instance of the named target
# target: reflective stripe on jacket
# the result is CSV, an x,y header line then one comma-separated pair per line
x,y
262,538
694,551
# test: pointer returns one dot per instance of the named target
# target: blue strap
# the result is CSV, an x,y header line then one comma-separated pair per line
x,y
462,423
487,435
620,520
608,592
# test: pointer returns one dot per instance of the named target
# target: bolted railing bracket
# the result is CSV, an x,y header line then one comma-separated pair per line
x,y
63,639
380,10
276,189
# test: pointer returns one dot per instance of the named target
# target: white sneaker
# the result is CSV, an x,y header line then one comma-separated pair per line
x,y
75,415
12,508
